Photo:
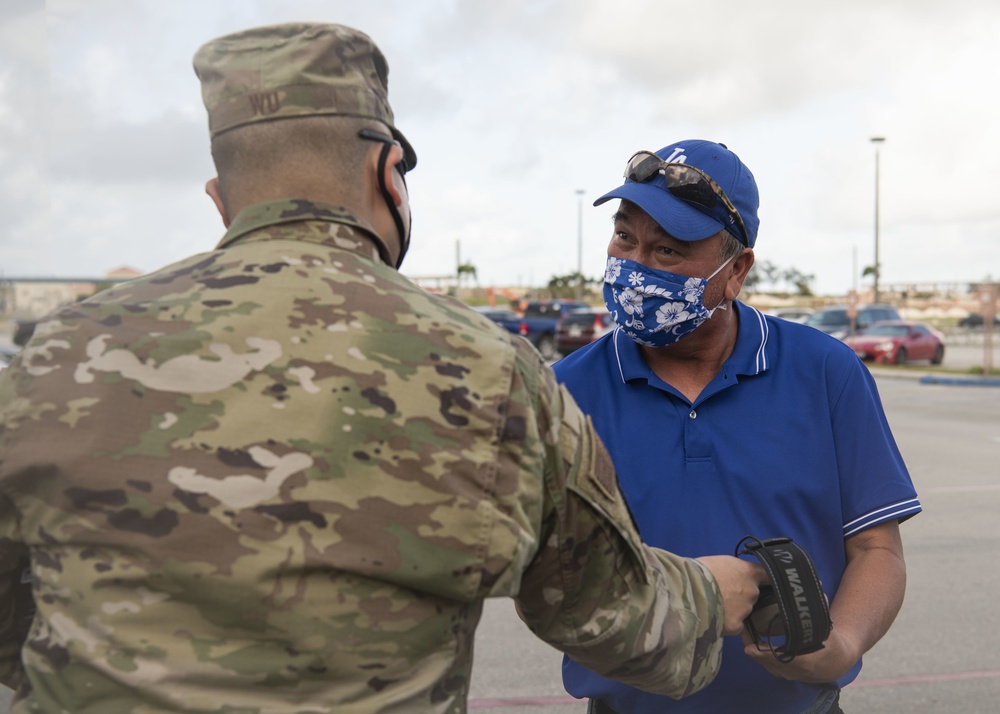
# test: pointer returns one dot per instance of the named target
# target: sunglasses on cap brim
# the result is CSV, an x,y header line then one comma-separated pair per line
x,y
686,183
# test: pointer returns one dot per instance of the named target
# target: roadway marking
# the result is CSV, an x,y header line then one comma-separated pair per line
x,y
522,702
960,489
926,678
883,682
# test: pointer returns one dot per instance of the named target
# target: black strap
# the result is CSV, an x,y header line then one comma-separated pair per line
x,y
796,590
599,706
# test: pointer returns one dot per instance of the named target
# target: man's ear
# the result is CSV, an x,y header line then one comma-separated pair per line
x,y
212,189
391,176
741,268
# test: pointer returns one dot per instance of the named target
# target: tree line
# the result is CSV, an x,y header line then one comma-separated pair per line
x,y
764,276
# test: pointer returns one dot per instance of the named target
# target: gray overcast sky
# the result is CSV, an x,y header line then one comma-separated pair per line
x,y
514,106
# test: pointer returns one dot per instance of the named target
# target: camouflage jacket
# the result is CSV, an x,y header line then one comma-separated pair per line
x,y
279,477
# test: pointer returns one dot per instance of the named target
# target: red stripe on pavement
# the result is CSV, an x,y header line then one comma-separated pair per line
x,y
925,678
522,702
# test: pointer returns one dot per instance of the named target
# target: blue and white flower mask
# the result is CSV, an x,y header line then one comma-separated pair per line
x,y
655,308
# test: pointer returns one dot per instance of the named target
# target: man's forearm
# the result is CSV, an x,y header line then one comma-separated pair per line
x,y
871,591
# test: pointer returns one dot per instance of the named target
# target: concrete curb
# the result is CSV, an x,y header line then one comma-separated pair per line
x,y
933,378
962,381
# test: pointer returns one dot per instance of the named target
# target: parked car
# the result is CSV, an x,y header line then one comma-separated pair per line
x,y
974,319
897,342
504,317
795,314
834,321
581,327
539,322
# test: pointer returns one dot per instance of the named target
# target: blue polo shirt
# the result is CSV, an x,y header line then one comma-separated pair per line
x,y
789,439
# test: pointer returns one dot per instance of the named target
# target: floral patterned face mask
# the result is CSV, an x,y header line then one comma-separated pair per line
x,y
655,308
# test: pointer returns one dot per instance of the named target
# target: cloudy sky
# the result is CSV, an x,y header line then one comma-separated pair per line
x,y
513,107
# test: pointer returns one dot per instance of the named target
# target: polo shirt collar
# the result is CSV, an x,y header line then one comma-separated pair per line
x,y
751,354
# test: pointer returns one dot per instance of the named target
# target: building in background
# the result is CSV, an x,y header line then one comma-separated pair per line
x,y
29,298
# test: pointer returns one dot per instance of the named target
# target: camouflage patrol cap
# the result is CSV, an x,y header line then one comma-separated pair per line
x,y
294,70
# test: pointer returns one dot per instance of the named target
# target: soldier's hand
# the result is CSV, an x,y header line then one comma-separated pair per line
x,y
740,581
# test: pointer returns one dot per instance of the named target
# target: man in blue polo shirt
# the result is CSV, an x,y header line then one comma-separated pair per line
x,y
723,422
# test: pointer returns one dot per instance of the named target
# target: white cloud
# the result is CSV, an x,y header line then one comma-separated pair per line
x,y
514,106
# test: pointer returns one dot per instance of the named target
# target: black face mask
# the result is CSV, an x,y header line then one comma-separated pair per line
x,y
404,231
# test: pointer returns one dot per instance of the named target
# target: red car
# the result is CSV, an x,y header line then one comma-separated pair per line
x,y
898,341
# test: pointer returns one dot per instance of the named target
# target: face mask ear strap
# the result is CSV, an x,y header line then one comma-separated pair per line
x,y
722,305
719,269
404,236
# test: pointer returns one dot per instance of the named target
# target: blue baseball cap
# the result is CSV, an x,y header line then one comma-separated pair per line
x,y
687,221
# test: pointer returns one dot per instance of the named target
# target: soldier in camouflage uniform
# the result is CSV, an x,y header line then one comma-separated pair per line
x,y
278,477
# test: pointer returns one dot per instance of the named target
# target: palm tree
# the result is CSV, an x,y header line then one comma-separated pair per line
x,y
467,269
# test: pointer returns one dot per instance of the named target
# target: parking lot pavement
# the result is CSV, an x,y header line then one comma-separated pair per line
x,y
940,655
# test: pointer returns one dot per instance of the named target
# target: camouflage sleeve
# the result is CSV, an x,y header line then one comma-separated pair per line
x,y
629,612
16,604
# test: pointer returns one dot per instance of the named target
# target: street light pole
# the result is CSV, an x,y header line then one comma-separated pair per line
x,y
876,140
579,244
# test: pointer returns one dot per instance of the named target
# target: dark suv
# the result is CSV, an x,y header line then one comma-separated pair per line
x,y
834,321
974,319
540,320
